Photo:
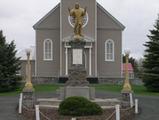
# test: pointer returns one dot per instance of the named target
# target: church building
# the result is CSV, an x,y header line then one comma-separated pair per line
x,y
102,33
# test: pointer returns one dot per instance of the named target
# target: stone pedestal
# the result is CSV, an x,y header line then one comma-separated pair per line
x,y
126,99
28,97
85,91
77,72
125,96
28,90
77,76
77,84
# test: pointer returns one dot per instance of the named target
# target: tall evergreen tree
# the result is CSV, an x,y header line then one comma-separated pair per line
x,y
151,60
9,65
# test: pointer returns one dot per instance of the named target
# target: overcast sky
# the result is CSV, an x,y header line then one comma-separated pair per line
x,y
18,16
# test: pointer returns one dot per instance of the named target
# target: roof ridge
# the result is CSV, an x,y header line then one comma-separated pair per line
x,y
113,18
47,15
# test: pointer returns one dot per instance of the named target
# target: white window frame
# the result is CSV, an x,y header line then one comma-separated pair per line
x,y
44,52
106,53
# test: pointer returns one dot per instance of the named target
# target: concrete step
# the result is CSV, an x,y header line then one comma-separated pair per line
x,y
49,101
53,106
48,106
105,103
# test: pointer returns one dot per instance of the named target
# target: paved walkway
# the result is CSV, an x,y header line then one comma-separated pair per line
x,y
8,108
149,105
149,108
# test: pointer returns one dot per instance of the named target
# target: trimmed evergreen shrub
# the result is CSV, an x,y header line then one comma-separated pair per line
x,y
79,106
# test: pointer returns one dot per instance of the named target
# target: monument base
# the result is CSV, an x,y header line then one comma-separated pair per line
x,y
28,99
83,91
77,76
127,99
126,96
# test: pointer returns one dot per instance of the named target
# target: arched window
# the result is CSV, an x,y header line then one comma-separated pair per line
x,y
48,51
109,50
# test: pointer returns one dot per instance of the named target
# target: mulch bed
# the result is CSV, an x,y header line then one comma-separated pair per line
x,y
52,114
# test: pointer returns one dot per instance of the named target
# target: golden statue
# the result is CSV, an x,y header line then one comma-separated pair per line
x,y
77,13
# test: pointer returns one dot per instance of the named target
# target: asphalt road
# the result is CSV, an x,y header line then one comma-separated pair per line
x,y
149,106
8,107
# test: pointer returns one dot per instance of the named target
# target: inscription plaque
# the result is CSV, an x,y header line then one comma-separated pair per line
x,y
77,56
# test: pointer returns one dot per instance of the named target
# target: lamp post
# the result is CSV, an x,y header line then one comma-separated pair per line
x,y
28,85
127,87
28,90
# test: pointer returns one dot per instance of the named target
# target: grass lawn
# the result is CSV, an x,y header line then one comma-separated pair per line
x,y
38,88
139,90
17,92
47,88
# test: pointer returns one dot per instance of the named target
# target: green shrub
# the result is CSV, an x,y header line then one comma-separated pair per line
x,y
79,106
10,83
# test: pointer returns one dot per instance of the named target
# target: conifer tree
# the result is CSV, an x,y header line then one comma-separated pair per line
x,y
9,65
151,60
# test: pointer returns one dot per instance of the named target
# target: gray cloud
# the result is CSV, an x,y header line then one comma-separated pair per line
x,y
18,16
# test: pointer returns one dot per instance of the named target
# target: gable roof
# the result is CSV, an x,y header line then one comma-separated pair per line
x,y
113,18
46,16
98,5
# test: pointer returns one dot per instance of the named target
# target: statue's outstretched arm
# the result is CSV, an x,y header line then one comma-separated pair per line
x,y
69,10
85,10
